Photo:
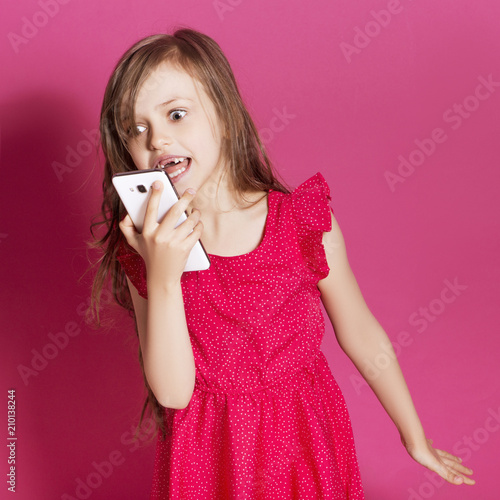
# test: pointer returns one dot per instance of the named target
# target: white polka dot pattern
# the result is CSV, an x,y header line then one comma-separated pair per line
x,y
267,419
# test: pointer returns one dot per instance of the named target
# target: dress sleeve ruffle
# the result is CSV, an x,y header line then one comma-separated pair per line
x,y
312,214
134,266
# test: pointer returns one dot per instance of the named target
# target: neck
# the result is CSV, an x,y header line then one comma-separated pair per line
x,y
217,196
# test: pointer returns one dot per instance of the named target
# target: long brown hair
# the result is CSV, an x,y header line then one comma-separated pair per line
x,y
249,167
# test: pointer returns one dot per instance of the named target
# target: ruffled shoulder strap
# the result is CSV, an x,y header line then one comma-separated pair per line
x,y
134,266
312,215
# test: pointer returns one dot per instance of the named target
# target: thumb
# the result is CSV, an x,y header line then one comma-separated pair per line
x,y
451,476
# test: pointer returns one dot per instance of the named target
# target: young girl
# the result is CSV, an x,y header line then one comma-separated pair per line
x,y
248,407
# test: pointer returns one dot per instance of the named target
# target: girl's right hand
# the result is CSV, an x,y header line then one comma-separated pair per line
x,y
165,248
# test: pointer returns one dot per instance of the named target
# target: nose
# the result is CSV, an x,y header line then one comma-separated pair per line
x,y
159,138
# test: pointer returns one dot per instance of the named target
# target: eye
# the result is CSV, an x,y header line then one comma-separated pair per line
x,y
134,132
177,114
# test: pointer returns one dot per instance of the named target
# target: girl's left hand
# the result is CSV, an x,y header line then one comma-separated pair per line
x,y
443,463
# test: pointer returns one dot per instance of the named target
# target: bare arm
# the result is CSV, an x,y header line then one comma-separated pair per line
x,y
161,321
166,349
363,339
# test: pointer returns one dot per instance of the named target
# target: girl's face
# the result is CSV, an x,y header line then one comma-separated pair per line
x,y
178,129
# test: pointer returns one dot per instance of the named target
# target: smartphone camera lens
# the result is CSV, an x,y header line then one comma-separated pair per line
x,y
141,188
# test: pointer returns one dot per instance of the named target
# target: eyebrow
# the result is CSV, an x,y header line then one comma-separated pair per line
x,y
166,103
127,120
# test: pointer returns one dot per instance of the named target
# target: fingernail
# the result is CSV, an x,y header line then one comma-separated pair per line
x,y
191,191
156,185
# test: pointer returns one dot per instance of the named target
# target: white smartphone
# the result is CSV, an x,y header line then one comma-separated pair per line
x,y
134,189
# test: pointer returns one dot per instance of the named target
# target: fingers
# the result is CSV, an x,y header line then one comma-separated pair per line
x,y
453,471
127,227
443,453
188,232
457,478
451,474
197,229
173,214
454,461
168,230
180,207
457,466
151,216
448,466
169,224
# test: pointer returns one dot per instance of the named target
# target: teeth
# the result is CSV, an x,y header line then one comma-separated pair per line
x,y
175,161
177,172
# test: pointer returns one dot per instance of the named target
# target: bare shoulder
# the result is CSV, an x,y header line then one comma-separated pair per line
x,y
340,280
334,245
340,292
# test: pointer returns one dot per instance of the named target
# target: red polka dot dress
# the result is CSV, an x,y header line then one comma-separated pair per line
x,y
267,420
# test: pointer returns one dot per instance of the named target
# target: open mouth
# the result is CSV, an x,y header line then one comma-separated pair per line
x,y
176,166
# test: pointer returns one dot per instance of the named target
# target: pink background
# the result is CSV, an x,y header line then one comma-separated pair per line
x,y
353,116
